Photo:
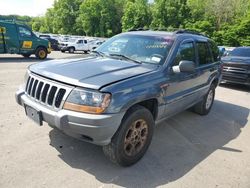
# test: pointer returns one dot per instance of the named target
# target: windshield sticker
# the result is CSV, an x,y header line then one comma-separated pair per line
x,y
114,49
156,59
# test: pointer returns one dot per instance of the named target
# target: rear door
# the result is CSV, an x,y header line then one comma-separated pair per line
x,y
8,38
206,64
183,88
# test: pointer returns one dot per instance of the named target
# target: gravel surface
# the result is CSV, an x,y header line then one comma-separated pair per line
x,y
188,150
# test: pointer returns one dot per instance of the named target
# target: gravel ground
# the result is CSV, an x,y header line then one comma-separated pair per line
x,y
187,150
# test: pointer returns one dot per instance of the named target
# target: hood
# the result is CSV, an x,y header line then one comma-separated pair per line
x,y
236,59
91,72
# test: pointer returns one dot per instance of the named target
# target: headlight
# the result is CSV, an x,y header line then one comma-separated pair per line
x,y
93,102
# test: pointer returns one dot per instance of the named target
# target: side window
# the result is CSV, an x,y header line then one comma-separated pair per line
x,y
186,52
80,41
205,56
24,32
215,51
85,42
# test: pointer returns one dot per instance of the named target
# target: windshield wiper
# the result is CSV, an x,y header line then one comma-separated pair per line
x,y
98,53
125,57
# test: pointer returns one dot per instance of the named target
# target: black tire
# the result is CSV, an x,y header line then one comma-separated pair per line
x,y
41,53
118,151
204,107
63,51
85,51
71,50
26,55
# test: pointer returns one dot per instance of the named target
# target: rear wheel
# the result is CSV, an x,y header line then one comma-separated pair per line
x,y
85,51
26,55
41,53
133,138
204,107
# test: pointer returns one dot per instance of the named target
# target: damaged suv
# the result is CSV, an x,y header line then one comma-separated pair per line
x,y
116,96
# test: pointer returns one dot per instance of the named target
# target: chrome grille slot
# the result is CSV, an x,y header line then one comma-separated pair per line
x,y
39,89
44,93
30,85
34,88
51,95
59,97
47,92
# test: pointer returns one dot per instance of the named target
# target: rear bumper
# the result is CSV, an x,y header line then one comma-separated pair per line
x,y
97,129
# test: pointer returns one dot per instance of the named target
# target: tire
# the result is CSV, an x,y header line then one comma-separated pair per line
x,y
41,53
204,106
71,50
133,137
63,51
26,55
85,51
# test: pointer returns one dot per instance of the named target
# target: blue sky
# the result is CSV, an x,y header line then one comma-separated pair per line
x,y
25,7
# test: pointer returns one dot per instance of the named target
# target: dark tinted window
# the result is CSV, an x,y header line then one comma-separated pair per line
x,y
80,41
215,50
24,32
243,52
204,53
185,52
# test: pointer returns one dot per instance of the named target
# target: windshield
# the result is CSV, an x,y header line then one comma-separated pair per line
x,y
242,52
145,49
72,40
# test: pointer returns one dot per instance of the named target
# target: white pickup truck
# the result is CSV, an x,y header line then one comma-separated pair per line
x,y
80,45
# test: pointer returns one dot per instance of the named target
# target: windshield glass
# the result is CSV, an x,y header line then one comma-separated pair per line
x,y
242,52
72,40
145,49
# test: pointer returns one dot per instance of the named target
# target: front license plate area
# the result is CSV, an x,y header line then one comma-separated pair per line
x,y
34,115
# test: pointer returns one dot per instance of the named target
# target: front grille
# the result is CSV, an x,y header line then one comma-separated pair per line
x,y
46,92
235,69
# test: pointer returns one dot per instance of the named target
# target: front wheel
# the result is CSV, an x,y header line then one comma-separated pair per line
x,y
133,138
41,53
71,50
204,106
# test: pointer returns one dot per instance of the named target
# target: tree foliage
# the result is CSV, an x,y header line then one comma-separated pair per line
x,y
226,21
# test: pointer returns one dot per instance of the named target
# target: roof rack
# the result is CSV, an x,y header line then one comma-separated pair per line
x,y
187,31
138,29
12,20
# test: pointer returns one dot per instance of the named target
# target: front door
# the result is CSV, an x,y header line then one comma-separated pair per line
x,y
182,90
25,40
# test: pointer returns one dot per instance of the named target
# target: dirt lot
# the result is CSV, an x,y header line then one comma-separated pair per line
x,y
187,150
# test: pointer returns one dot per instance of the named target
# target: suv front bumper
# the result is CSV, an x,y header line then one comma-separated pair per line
x,y
97,129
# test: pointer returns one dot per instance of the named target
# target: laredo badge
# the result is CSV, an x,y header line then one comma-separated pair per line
x,y
27,44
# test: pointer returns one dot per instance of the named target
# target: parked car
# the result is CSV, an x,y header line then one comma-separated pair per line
x,y
17,38
236,66
80,45
115,97
54,43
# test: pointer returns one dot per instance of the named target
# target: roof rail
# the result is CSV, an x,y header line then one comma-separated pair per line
x,y
187,31
138,29
12,20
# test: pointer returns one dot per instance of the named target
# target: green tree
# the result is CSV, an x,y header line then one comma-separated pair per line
x,y
169,13
136,15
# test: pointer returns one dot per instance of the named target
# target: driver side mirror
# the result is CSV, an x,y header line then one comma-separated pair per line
x,y
184,66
